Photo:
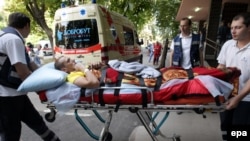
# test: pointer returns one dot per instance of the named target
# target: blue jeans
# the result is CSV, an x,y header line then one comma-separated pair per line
x,y
150,56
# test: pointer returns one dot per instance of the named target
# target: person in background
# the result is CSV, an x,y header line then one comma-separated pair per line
x,y
29,46
157,52
229,35
203,33
16,107
151,52
236,53
186,47
30,50
79,74
37,55
222,33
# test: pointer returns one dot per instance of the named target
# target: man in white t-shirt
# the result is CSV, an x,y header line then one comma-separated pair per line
x,y
15,66
236,53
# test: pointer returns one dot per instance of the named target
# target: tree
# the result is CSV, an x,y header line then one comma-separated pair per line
x,y
164,54
165,13
41,12
1,21
138,11
165,16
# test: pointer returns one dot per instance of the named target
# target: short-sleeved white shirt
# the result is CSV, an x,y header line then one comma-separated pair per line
x,y
186,47
231,56
13,46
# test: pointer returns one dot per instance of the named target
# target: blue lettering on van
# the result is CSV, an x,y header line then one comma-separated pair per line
x,y
77,31
83,12
79,40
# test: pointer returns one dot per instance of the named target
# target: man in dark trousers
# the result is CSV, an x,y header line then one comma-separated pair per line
x,y
157,52
16,107
222,33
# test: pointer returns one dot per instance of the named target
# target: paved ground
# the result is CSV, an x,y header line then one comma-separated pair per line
x,y
125,126
189,126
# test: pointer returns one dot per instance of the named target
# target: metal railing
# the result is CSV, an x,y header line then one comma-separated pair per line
x,y
214,45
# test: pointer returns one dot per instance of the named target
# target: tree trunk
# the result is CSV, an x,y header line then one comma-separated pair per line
x,y
37,11
164,55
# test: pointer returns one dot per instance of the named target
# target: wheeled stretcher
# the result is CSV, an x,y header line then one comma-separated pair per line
x,y
200,90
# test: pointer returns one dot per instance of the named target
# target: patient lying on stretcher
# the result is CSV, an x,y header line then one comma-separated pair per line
x,y
78,74
84,78
174,84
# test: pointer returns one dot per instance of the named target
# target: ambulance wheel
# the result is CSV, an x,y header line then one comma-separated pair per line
x,y
51,116
107,137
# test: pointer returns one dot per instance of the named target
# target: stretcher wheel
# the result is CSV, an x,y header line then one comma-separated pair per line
x,y
51,116
133,109
107,137
177,139
199,110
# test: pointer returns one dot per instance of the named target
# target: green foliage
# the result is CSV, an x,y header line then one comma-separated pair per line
x,y
37,10
165,13
140,12
19,6
2,22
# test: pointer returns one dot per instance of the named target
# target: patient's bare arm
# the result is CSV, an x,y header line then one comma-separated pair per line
x,y
89,81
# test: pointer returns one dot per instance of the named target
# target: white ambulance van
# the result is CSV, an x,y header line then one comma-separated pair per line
x,y
92,33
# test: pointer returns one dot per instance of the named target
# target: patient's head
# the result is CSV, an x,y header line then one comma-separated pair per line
x,y
65,64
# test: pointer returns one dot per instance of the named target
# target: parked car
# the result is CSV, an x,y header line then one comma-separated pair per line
x,y
46,47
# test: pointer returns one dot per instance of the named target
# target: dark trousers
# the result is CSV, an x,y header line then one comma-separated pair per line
x,y
238,117
156,59
13,110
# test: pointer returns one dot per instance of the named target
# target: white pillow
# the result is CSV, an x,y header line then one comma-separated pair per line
x,y
49,65
42,79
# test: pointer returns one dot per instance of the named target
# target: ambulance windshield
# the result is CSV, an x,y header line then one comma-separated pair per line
x,y
76,34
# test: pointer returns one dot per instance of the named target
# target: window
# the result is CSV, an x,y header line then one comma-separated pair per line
x,y
128,36
76,34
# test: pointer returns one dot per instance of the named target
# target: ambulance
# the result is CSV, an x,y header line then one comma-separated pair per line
x,y
91,33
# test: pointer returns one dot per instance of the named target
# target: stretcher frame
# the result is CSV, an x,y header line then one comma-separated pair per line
x,y
153,129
